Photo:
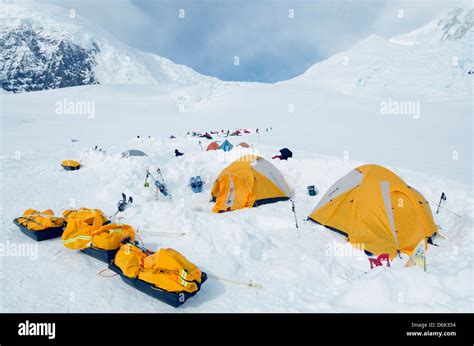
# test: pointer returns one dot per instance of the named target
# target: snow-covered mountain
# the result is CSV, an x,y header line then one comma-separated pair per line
x,y
47,47
434,61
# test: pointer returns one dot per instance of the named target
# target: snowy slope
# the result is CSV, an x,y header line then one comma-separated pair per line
x,y
40,42
315,272
431,62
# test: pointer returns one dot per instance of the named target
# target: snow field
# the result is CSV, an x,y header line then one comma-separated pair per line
x,y
308,270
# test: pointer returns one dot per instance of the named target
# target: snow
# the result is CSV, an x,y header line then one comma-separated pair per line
x,y
315,271
330,130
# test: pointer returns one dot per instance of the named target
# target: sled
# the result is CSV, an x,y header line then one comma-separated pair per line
x,y
105,256
49,233
71,168
170,298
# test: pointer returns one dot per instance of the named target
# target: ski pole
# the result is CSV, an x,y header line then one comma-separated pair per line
x,y
293,209
442,198
161,175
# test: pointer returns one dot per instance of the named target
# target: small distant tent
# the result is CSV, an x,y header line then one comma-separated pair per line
x,y
213,146
244,145
226,146
133,152
376,209
206,135
248,182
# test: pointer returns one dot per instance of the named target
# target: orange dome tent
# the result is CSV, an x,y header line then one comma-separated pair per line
x,y
213,146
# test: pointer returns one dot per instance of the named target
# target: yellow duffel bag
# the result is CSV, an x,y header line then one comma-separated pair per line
x,y
172,261
38,221
167,281
166,269
129,259
109,237
85,214
78,234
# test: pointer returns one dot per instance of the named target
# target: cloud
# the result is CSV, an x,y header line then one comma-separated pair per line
x,y
270,44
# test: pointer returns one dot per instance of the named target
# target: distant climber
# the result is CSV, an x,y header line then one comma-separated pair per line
x,y
178,153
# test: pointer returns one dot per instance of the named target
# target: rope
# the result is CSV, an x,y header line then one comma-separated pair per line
x,y
106,276
249,284
454,213
164,234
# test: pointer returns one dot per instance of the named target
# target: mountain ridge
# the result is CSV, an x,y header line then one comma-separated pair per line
x,y
47,47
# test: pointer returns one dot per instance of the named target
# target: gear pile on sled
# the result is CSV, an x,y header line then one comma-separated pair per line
x,y
71,165
40,225
89,230
165,275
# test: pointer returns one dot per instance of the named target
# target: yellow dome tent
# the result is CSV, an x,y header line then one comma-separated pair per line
x,y
376,209
248,182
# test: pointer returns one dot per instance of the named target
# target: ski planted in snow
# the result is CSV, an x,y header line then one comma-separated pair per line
x,y
158,184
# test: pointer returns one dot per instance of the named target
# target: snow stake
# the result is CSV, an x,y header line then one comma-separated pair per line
x,y
442,198
158,170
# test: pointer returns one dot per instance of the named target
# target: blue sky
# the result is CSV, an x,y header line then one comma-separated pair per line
x,y
270,45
